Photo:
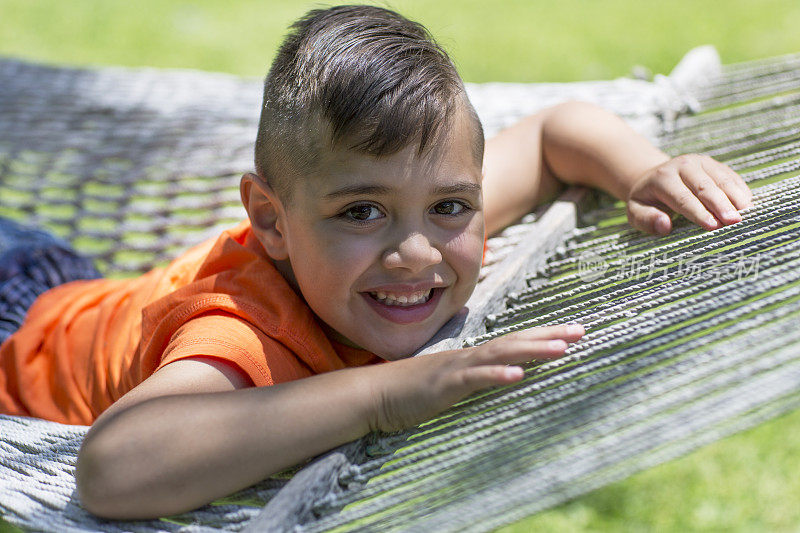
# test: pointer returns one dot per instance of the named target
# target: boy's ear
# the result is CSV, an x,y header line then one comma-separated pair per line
x,y
266,213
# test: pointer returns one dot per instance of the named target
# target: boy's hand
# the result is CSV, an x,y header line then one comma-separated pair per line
x,y
410,391
705,191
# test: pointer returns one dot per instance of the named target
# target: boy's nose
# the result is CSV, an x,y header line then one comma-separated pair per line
x,y
415,253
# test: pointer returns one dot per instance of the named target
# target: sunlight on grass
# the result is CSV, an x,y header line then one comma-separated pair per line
x,y
747,482
5,527
507,40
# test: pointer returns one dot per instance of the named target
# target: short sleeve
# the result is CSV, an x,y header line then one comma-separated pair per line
x,y
265,360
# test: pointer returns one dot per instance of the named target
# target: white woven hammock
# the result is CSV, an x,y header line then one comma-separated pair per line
x,y
37,458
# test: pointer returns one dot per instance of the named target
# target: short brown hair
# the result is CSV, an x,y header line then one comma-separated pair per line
x,y
360,75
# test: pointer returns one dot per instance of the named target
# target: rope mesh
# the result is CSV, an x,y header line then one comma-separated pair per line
x,y
690,337
132,166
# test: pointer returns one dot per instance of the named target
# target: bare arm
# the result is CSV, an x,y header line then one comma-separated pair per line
x,y
582,144
516,178
586,145
175,452
171,453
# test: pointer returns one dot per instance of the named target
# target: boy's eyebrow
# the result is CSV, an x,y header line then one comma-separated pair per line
x,y
461,187
379,190
358,190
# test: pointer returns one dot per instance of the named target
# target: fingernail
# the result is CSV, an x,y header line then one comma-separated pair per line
x,y
513,372
711,221
732,216
558,345
575,329
662,226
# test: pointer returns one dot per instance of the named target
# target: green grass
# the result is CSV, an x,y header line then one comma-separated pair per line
x,y
747,482
517,40
5,527
744,483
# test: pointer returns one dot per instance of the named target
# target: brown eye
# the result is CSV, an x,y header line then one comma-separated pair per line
x,y
363,212
448,207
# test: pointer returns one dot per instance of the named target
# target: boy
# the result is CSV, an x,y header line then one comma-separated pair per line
x,y
366,223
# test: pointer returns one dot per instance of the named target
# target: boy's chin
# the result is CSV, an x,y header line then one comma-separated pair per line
x,y
396,355
393,342
395,349
385,346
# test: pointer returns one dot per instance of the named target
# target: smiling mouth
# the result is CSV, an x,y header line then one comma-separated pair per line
x,y
406,308
405,300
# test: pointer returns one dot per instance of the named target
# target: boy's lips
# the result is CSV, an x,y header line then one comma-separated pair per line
x,y
404,307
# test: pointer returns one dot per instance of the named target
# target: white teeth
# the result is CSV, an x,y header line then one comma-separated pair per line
x,y
404,300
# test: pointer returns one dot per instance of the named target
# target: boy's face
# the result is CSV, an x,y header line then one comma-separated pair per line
x,y
386,250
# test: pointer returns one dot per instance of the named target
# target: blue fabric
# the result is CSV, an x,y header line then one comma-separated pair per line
x,y
31,262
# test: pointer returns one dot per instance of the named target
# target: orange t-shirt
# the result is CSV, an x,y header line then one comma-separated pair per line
x,y
86,343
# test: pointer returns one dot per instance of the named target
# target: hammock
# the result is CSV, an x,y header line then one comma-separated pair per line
x,y
133,166
119,154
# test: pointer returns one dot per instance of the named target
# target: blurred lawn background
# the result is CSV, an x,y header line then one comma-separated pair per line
x,y
511,40
745,483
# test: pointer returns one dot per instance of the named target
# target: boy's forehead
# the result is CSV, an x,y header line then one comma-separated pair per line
x,y
448,163
350,173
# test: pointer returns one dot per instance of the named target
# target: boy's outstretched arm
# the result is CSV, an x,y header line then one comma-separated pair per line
x,y
184,437
582,144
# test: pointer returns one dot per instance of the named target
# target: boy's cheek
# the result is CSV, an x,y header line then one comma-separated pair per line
x,y
477,239
465,254
337,252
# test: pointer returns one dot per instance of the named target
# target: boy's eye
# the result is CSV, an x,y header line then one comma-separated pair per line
x,y
363,212
449,207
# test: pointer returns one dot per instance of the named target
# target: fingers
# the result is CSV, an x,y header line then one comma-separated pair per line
x,y
494,363
515,351
686,196
730,182
480,377
714,199
648,218
548,342
706,192
568,332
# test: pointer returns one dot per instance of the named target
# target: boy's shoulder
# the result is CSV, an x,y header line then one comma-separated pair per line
x,y
237,306
229,275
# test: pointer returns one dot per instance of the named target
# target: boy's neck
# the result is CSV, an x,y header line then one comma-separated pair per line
x,y
284,267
